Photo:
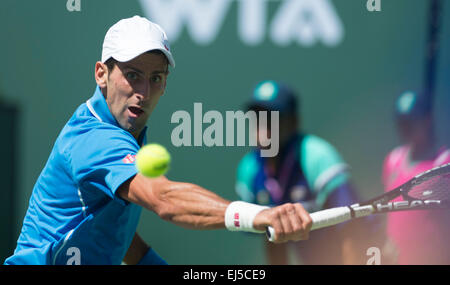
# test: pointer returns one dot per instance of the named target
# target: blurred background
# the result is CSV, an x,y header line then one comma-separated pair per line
x,y
348,65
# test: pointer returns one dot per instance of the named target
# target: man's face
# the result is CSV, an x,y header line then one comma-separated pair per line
x,y
286,128
133,89
414,131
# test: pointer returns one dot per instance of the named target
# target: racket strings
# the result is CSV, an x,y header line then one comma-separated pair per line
x,y
433,188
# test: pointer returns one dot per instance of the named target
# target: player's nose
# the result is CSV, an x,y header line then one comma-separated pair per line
x,y
143,93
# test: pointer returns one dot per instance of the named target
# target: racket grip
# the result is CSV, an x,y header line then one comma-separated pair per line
x,y
321,219
330,217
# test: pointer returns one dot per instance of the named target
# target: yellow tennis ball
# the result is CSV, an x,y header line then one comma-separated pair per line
x,y
153,160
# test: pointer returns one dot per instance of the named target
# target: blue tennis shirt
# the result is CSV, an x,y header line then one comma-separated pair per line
x,y
73,208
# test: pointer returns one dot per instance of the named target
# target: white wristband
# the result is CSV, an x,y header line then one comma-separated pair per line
x,y
239,216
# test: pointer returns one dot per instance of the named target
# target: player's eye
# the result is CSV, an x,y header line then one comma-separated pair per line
x,y
156,78
132,75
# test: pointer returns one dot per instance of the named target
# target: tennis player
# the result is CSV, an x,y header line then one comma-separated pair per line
x,y
415,237
307,170
86,203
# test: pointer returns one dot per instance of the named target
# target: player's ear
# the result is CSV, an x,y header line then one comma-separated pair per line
x,y
101,74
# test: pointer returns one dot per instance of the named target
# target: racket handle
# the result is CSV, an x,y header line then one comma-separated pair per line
x,y
330,217
321,219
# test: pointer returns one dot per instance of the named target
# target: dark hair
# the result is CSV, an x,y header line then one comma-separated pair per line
x,y
111,62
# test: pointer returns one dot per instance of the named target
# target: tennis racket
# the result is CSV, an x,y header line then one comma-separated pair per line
x,y
429,190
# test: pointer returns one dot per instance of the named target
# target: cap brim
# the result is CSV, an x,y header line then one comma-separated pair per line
x,y
124,57
168,55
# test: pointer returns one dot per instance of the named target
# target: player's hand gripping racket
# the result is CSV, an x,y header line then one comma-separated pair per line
x,y
429,190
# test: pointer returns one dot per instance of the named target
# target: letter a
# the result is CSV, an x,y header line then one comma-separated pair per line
x,y
373,5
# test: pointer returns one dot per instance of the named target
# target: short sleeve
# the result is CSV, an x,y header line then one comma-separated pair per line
x,y
246,172
324,168
102,159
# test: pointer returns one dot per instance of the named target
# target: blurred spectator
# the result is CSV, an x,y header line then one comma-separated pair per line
x,y
307,170
415,237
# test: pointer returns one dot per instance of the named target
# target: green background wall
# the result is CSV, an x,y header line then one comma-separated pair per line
x,y
347,92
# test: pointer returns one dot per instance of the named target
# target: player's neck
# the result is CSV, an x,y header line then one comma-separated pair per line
x,y
274,163
424,151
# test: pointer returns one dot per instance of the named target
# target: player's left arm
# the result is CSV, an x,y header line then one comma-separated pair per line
x,y
140,253
137,250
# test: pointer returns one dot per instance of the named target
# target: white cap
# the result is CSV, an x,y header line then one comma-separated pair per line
x,y
132,37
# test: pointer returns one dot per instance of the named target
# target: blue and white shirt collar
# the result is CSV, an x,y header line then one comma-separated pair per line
x,y
99,108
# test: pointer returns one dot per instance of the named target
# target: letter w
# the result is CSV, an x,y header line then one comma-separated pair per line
x,y
203,18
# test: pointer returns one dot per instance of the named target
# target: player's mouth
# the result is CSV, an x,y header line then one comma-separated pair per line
x,y
135,111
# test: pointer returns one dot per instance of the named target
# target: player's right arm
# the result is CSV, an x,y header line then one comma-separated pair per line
x,y
191,206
